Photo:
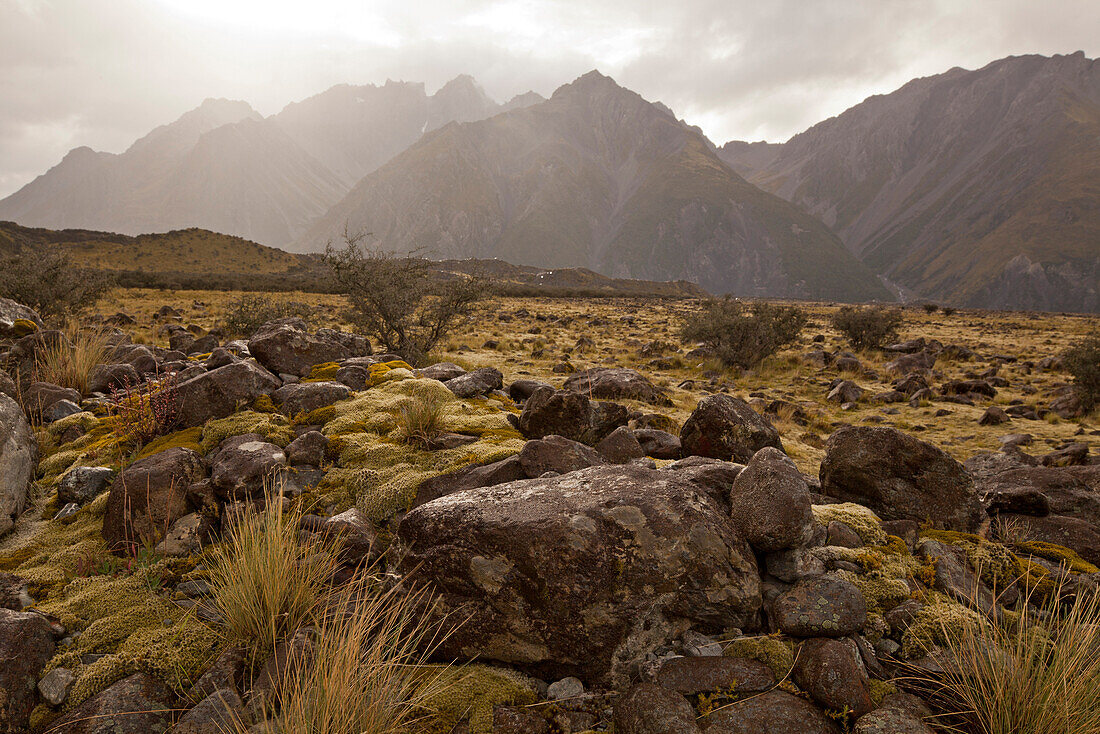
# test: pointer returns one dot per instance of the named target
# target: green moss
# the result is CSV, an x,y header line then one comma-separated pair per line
x,y
272,426
471,693
859,518
316,417
264,404
41,717
939,622
776,653
47,554
23,327
134,629
99,446
994,563
379,472
188,438
880,690
1057,554
1034,579
322,372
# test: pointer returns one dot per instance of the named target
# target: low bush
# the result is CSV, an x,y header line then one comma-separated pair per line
x,y
396,299
743,334
867,328
49,282
249,312
1083,362
145,411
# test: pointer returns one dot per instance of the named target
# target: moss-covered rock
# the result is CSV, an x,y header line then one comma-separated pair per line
x,y
865,522
471,693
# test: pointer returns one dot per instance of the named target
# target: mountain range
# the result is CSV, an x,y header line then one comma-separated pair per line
x,y
976,188
980,188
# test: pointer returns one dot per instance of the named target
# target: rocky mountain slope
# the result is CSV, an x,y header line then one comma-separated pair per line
x,y
596,177
224,167
975,187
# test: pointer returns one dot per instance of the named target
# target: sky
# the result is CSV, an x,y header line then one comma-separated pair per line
x,y
102,73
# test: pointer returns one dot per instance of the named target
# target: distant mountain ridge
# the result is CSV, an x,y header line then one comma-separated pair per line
x,y
980,188
224,167
596,177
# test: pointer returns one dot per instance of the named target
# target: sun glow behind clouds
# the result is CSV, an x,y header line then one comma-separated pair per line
x,y
318,17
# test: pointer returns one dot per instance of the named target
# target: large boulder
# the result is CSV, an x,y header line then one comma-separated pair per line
x,y
770,502
107,378
219,392
648,708
479,382
244,463
821,607
832,673
26,644
148,496
727,428
899,477
303,397
39,396
583,574
18,460
140,704
285,347
616,383
774,712
565,413
12,312
556,454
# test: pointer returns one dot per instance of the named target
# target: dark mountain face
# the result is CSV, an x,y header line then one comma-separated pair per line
x,y
224,167
598,177
975,187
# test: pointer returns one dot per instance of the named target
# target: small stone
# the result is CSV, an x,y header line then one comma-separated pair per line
x,y
55,685
564,689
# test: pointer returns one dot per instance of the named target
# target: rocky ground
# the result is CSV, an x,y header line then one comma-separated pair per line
x,y
636,538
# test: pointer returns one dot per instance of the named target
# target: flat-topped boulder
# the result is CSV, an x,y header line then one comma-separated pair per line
x,y
581,574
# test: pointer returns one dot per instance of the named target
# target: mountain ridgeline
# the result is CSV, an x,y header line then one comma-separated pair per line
x,y
980,188
977,188
225,168
598,177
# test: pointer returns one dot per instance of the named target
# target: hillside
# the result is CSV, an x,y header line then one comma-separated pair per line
x,y
974,187
191,251
224,167
596,177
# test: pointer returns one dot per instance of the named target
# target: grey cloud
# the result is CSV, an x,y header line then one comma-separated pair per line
x,y
102,74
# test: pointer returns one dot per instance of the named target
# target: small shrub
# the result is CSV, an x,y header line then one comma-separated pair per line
x,y
267,583
741,334
146,411
930,307
251,311
70,363
867,328
396,300
420,419
49,282
948,310
1083,362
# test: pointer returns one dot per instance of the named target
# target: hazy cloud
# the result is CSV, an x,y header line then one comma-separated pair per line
x,y
103,73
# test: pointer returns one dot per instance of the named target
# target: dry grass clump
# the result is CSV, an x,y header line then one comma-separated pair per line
x,y
266,583
1025,674
70,362
366,670
420,418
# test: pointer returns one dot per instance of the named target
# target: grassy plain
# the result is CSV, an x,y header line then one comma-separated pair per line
x,y
530,337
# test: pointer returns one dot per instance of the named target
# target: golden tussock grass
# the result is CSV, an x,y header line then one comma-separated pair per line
x,y
1023,674
70,364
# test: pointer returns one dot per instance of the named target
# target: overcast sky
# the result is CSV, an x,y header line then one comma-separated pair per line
x,y
104,72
